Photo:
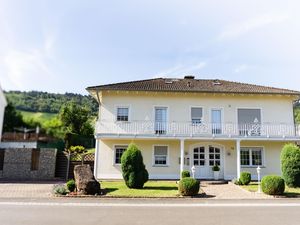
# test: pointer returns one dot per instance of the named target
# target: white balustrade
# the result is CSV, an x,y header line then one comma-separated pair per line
x,y
189,129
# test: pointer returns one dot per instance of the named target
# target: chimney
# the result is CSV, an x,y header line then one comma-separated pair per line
x,y
191,77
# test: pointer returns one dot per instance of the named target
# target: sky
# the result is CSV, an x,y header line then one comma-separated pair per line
x,y
65,46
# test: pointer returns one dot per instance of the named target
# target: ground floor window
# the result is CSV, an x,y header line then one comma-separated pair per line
x,y
160,155
251,156
119,150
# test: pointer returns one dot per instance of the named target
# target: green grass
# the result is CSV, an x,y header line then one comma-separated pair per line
x,y
37,116
289,192
151,189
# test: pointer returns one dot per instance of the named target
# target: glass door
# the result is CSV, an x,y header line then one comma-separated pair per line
x,y
160,120
216,120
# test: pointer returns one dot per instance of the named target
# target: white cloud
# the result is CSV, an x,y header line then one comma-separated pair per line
x,y
180,70
236,30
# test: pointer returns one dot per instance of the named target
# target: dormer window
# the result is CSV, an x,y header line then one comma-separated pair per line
x,y
122,113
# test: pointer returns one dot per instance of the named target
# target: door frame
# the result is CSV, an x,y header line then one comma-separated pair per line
x,y
206,145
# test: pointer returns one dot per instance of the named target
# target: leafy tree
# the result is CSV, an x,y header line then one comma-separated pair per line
x,y
133,168
290,165
75,119
12,118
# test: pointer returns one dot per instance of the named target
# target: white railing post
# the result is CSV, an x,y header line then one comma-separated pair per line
x,y
181,156
238,158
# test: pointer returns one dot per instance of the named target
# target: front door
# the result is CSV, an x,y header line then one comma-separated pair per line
x,y
204,158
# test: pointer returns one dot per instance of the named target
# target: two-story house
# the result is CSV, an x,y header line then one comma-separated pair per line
x,y
180,123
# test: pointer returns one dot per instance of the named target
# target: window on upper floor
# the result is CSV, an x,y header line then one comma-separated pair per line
x,y
122,114
196,115
251,156
249,121
160,155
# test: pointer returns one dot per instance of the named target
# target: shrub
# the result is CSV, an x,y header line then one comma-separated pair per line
x,y
290,165
133,168
60,190
185,173
273,185
71,185
215,168
188,186
245,178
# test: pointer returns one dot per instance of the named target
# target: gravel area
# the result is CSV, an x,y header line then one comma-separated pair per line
x,y
229,191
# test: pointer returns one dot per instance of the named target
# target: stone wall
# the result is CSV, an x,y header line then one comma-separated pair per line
x,y
17,164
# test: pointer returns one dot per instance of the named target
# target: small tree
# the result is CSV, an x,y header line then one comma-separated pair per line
x,y
133,168
290,165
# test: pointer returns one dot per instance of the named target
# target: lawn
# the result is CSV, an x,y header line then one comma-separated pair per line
x,y
37,116
289,192
151,189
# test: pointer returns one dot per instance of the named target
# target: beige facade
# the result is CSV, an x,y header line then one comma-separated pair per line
x,y
3,104
276,127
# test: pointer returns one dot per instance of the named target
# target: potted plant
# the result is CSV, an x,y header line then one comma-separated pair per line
x,y
216,170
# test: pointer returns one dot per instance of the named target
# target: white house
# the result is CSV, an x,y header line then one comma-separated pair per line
x,y
3,104
180,123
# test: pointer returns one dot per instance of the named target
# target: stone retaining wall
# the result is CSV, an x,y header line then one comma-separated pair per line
x,y
18,165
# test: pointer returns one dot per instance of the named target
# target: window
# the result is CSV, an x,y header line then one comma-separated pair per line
x,y
119,150
35,159
160,155
196,115
122,113
214,156
199,156
161,120
251,156
249,121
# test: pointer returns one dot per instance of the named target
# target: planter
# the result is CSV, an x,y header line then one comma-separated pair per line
x,y
216,175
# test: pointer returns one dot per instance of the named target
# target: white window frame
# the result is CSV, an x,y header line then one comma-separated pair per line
x,y
116,113
250,148
115,152
202,118
153,156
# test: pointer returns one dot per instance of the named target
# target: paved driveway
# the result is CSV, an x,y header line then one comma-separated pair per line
x,y
26,190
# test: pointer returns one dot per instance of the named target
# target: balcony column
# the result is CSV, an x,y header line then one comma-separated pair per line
x,y
181,156
238,158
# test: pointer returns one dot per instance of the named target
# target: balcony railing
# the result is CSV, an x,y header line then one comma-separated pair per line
x,y
189,129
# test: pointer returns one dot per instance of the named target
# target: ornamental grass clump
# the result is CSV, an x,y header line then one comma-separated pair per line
x,y
133,168
290,165
272,185
188,186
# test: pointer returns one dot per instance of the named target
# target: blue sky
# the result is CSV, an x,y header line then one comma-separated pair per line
x,y
65,46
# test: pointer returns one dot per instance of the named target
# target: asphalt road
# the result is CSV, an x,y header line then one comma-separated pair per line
x,y
144,212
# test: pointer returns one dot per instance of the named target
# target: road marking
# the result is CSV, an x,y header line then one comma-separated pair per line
x,y
78,204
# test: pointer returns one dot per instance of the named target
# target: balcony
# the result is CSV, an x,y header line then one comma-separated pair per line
x,y
189,129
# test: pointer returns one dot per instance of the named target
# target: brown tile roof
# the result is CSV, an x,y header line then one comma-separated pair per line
x,y
193,85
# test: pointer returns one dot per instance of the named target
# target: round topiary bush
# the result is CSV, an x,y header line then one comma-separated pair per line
x,y
245,178
71,185
185,173
272,185
188,186
133,168
290,165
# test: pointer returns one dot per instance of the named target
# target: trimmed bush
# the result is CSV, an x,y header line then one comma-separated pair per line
x,y
188,186
185,173
245,178
290,165
272,185
133,168
71,185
